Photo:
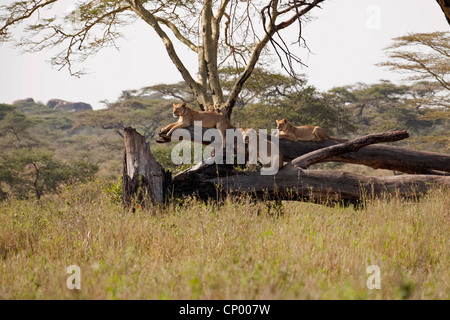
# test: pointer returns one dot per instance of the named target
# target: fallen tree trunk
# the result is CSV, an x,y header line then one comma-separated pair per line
x,y
145,179
320,186
212,181
375,156
321,155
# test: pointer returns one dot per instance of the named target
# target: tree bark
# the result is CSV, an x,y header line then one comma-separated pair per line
x,y
321,155
212,181
143,177
215,182
375,156
445,6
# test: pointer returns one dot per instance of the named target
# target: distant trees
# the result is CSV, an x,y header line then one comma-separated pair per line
x,y
27,166
35,172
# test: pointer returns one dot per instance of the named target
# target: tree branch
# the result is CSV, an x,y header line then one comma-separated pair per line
x,y
270,27
150,19
210,35
18,15
445,6
178,34
350,146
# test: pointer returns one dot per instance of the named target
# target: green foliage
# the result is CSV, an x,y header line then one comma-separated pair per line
x,y
162,155
28,166
35,172
5,109
114,190
303,106
30,107
15,123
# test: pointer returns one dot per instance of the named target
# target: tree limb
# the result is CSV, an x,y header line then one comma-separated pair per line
x,y
271,27
19,15
445,6
150,19
178,34
375,156
350,146
210,36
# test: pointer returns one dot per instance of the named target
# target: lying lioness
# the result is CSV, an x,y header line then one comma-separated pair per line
x,y
187,116
307,133
271,159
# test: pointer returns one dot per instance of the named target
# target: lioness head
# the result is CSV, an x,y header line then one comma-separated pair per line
x,y
282,124
178,109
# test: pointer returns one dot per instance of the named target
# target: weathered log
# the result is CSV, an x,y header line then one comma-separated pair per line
x,y
292,183
143,176
320,155
320,186
375,156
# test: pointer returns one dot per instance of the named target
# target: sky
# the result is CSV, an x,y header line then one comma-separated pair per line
x,y
346,39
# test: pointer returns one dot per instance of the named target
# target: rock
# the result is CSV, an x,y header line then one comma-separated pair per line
x,y
58,104
29,100
53,102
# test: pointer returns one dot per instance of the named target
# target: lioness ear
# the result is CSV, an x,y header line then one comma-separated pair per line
x,y
183,104
283,120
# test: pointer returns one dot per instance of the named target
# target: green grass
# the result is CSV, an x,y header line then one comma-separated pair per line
x,y
239,250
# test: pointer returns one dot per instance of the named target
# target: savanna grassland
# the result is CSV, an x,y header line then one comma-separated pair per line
x,y
237,250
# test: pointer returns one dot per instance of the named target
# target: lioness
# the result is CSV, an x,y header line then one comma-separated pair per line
x,y
271,158
187,116
307,133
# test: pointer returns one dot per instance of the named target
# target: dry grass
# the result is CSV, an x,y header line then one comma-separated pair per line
x,y
240,250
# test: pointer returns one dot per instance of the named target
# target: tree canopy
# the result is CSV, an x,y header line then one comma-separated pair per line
x,y
426,56
226,33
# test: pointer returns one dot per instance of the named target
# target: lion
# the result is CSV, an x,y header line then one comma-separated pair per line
x,y
306,133
187,116
273,158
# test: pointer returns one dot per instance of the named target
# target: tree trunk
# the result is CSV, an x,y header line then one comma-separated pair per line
x,y
445,6
143,177
214,182
323,154
293,183
375,156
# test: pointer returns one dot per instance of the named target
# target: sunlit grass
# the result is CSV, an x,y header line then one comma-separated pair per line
x,y
238,250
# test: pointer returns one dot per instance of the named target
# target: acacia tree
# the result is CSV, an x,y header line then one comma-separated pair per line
x,y
220,32
426,56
